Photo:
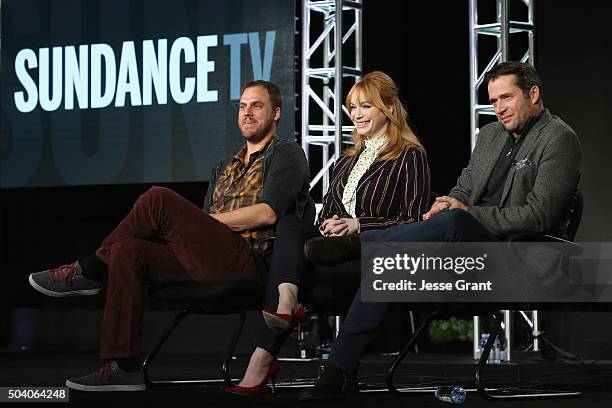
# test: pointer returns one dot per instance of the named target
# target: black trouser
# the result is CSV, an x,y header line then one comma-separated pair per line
x,y
364,318
287,265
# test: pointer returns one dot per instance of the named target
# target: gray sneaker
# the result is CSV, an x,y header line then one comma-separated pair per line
x,y
109,378
67,280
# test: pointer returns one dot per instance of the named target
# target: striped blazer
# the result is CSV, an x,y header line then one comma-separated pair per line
x,y
390,192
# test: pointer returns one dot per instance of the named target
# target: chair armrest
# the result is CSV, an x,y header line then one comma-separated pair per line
x,y
569,248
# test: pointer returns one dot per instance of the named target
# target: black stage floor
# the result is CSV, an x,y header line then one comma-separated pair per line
x,y
37,368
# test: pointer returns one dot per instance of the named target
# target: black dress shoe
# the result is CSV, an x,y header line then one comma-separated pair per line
x,y
332,384
333,250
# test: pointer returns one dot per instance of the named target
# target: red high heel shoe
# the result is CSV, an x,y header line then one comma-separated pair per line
x,y
279,322
261,387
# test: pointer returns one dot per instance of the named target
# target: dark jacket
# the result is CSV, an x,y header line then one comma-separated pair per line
x,y
286,178
539,189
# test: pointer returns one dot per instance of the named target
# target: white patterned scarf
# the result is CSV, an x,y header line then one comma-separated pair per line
x,y
365,160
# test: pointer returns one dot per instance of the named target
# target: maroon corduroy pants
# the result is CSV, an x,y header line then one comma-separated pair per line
x,y
164,238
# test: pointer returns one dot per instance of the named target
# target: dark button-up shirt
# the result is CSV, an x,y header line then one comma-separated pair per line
x,y
495,186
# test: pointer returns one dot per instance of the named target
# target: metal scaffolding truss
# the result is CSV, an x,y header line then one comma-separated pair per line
x,y
331,52
512,37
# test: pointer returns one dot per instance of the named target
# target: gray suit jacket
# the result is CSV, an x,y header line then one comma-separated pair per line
x,y
539,189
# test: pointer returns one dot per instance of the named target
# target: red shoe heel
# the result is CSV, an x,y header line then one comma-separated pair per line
x,y
261,387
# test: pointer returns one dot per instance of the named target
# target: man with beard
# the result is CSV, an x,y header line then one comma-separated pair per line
x,y
165,238
522,177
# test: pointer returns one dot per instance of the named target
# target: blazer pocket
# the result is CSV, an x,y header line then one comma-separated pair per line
x,y
525,177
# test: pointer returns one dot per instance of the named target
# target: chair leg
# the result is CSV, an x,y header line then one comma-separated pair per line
x,y
226,362
169,329
396,362
509,393
230,352
486,351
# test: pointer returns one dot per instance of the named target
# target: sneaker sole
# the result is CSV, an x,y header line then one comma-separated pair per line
x,y
105,388
84,292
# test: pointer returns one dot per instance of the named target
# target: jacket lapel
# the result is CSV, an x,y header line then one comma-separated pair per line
x,y
374,169
530,139
495,149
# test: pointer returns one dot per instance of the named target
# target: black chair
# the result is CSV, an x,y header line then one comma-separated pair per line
x,y
235,296
493,310
228,297
329,290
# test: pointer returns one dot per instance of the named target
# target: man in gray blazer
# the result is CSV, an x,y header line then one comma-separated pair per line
x,y
522,176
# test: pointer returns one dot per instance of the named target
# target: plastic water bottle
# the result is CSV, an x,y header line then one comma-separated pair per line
x,y
324,358
454,395
497,352
483,341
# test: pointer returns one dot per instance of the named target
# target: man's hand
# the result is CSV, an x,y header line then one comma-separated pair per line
x,y
436,207
452,202
337,226
249,217
443,202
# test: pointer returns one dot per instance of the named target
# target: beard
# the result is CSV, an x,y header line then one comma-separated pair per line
x,y
257,135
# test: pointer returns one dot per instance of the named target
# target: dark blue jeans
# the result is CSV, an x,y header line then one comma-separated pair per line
x,y
364,318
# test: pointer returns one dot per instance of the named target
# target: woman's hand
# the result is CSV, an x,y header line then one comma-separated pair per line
x,y
337,226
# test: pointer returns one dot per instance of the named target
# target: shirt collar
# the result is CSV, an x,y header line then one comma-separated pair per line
x,y
239,156
528,125
376,143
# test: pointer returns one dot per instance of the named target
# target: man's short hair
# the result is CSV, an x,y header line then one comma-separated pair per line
x,y
525,75
274,92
